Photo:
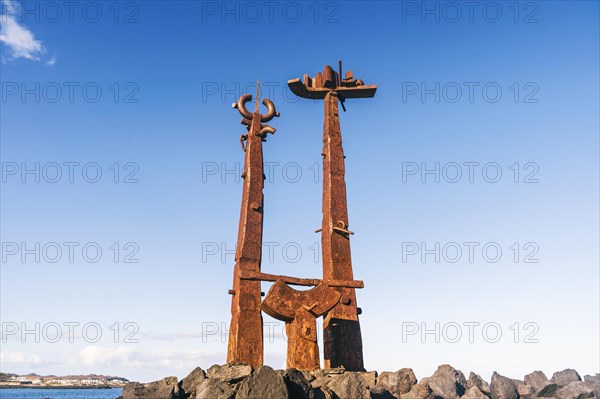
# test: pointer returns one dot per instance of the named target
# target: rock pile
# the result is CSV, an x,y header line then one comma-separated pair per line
x,y
238,381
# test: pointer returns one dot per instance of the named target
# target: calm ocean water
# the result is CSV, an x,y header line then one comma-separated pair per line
x,y
32,393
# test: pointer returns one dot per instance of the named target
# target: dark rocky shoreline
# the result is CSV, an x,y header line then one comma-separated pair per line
x,y
238,381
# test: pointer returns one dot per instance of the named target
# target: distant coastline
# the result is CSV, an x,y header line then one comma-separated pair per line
x,y
40,386
33,381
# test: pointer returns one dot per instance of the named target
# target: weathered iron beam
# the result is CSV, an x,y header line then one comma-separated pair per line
x,y
342,339
246,329
307,282
342,336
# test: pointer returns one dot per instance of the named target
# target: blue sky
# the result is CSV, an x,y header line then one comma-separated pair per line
x,y
121,113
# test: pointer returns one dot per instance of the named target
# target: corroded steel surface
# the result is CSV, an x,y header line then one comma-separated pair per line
x,y
342,340
246,333
333,296
328,80
342,336
300,309
282,302
301,281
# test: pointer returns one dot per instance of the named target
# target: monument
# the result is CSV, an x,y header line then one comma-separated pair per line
x,y
333,296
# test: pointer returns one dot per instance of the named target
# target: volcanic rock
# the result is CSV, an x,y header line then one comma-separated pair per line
x,y
215,389
447,382
167,388
474,393
396,383
190,383
231,372
298,386
537,380
503,387
476,381
575,390
564,377
349,386
263,383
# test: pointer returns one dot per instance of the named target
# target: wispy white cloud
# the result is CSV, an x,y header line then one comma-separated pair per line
x,y
20,41
130,358
171,336
18,358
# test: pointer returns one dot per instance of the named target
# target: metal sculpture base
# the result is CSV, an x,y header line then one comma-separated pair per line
x,y
300,310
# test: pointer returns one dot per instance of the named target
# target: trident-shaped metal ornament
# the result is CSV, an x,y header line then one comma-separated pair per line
x,y
246,329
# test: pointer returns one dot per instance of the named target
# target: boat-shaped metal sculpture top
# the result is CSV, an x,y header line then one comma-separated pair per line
x,y
329,80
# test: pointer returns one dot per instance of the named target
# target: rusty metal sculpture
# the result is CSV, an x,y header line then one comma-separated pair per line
x,y
342,338
332,296
246,333
300,309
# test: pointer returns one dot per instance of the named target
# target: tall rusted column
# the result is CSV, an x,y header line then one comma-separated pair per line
x,y
342,338
246,329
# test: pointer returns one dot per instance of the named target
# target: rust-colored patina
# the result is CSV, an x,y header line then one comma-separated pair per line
x,y
299,310
246,329
332,296
341,328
